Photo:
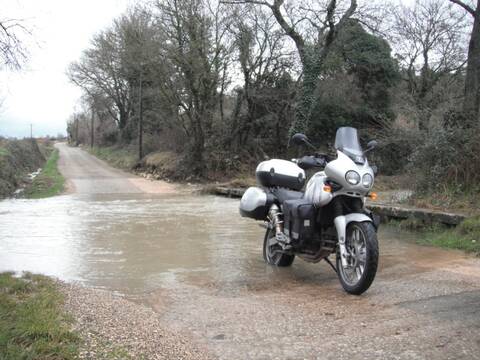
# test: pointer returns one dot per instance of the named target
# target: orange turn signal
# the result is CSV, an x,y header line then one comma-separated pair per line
x,y
373,196
327,188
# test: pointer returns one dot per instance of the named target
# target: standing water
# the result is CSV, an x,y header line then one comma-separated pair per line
x,y
135,243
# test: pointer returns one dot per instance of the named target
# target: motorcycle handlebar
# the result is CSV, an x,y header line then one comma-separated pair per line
x,y
308,162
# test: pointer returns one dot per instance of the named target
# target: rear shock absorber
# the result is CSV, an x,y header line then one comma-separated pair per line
x,y
275,217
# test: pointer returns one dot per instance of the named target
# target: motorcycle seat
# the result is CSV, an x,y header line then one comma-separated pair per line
x,y
283,195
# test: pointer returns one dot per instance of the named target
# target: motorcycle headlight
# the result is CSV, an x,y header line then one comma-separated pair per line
x,y
352,177
367,180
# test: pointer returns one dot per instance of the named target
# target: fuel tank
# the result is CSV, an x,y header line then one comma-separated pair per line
x,y
316,192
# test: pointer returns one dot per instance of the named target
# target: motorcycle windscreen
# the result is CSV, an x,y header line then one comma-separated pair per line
x,y
347,141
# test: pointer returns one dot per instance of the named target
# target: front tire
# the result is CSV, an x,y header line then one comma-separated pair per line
x,y
362,247
272,251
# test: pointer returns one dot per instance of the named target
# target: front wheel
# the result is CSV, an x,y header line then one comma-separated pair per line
x,y
272,251
362,249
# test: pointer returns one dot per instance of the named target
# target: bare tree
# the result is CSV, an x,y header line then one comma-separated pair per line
x,y
471,105
264,60
196,32
312,26
116,62
101,70
428,38
140,52
13,53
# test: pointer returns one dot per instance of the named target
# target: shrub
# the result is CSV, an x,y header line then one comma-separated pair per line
x,y
395,148
448,158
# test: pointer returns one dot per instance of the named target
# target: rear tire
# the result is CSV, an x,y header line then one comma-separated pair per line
x,y
271,253
361,242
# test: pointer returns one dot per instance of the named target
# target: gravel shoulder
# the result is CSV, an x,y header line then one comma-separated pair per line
x,y
113,327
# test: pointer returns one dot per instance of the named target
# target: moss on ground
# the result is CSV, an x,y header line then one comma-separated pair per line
x,y
33,324
49,182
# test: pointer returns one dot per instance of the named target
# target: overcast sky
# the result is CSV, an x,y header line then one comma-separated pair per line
x,y
41,94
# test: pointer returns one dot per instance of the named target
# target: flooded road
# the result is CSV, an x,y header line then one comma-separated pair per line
x,y
129,243
199,265
135,243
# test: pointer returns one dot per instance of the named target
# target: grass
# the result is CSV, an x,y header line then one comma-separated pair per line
x,y
3,151
32,322
49,182
123,158
466,236
450,200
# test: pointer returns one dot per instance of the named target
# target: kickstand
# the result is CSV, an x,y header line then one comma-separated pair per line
x,y
330,263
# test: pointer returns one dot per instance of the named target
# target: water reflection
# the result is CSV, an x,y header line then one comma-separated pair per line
x,y
125,243
135,243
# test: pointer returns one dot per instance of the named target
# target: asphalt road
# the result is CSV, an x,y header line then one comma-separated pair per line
x,y
86,174
424,303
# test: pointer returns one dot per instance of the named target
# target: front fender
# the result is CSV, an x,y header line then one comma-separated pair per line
x,y
341,223
357,217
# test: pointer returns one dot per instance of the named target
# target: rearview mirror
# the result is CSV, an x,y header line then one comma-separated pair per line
x,y
372,145
299,139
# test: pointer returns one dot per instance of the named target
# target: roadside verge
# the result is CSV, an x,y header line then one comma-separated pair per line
x,y
49,182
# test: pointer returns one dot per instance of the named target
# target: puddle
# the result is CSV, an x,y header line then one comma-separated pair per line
x,y
137,243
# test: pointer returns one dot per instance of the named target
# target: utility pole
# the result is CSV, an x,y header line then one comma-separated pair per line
x,y
31,131
92,130
140,117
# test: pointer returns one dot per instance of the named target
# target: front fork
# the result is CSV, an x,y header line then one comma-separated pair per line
x,y
341,227
341,223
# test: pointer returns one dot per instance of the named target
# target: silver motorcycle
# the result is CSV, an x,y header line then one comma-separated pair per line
x,y
327,217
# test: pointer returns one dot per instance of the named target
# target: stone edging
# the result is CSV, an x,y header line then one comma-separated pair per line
x,y
384,211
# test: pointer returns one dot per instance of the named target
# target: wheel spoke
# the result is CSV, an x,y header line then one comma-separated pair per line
x,y
272,241
357,250
362,256
359,272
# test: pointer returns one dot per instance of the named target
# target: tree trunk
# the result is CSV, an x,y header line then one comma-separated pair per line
x,y
140,119
92,130
198,164
425,86
471,103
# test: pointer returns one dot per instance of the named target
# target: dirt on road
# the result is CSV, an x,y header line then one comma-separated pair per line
x,y
424,303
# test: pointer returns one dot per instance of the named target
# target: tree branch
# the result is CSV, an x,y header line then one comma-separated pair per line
x,y
465,6
289,30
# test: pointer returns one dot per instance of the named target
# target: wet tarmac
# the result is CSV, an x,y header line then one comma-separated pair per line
x,y
199,264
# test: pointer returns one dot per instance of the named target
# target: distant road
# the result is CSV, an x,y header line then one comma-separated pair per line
x,y
86,174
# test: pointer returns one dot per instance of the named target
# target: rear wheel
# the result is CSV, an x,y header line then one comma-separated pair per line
x,y
362,248
272,251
